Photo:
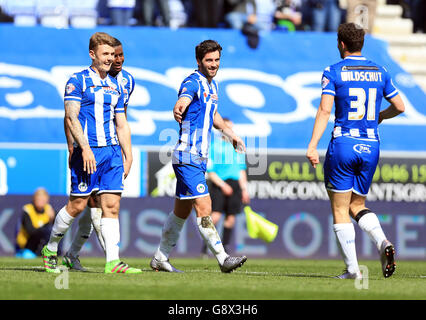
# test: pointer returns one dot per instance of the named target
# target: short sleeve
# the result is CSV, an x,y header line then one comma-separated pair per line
x,y
188,88
328,82
119,107
73,90
389,90
132,84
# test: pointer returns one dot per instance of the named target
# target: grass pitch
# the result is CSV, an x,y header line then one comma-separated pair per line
x,y
258,279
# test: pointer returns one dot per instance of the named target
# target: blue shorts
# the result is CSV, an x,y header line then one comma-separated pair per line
x,y
109,174
191,181
350,165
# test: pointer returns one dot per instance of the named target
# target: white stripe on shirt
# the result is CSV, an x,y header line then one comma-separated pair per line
x,y
114,100
391,93
99,118
205,139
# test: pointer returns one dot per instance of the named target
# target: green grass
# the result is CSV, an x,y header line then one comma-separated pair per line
x,y
258,279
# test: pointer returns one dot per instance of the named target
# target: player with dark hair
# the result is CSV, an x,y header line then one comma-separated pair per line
x,y
196,112
91,218
356,86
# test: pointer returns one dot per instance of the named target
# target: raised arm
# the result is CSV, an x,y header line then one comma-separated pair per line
x,y
237,142
71,123
124,136
321,120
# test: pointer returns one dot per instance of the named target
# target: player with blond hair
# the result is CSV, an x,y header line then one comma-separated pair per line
x,y
94,114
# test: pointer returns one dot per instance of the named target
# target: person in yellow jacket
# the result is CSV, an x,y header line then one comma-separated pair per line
x,y
36,223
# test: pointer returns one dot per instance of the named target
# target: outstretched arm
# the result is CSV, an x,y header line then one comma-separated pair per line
x,y
180,107
72,109
321,120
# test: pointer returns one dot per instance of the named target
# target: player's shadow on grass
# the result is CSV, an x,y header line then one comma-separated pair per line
x,y
290,275
41,269
32,269
306,276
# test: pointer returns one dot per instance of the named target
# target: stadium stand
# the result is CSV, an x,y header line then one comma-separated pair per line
x,y
82,13
406,47
53,13
23,12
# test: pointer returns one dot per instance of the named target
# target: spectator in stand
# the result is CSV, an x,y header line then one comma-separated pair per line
x,y
121,11
148,8
36,224
326,15
414,10
417,13
238,12
4,17
205,13
362,13
265,10
288,15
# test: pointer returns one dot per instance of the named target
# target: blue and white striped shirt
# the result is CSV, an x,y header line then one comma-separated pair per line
x,y
126,80
100,99
358,86
195,128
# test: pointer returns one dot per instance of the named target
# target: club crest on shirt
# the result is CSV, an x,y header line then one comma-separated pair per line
x,y
324,82
69,88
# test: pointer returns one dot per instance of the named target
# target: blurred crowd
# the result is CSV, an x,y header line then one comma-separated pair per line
x,y
264,15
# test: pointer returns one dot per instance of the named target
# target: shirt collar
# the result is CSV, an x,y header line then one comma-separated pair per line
x,y
355,58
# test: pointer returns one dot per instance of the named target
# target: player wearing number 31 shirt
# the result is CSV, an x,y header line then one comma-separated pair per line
x,y
356,86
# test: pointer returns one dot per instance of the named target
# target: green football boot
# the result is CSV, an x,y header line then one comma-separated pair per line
x,y
50,260
117,266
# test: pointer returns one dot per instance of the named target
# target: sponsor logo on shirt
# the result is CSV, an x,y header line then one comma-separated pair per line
x,y
106,90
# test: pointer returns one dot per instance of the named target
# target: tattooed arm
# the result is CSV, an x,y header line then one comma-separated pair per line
x,y
70,141
71,122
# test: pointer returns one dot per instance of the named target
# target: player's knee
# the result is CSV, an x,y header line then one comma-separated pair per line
x,y
203,210
76,206
111,210
203,206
